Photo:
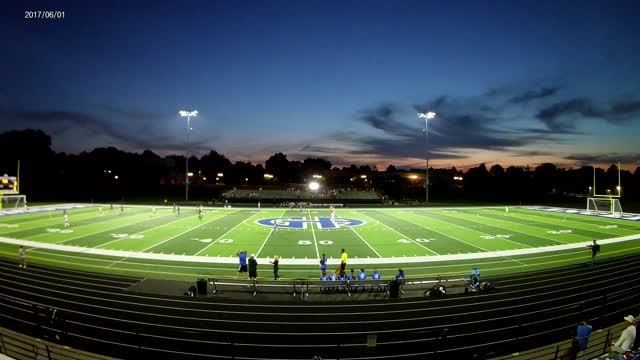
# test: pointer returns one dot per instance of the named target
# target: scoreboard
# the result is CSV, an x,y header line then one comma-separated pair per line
x,y
8,184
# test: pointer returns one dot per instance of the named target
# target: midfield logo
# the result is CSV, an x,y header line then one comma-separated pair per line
x,y
302,222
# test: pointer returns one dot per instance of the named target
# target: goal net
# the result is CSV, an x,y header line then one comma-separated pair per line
x,y
604,205
13,201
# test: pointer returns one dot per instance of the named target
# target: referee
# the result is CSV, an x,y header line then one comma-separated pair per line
x,y
343,261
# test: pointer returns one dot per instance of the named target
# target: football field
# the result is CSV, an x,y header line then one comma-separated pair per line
x,y
166,244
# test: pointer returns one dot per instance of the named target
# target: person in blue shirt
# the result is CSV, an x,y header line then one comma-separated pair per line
x,y
325,278
342,277
362,275
242,258
400,274
376,276
323,263
584,331
333,278
351,276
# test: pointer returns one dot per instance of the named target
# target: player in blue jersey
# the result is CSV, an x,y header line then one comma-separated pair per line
x,y
376,276
275,226
323,263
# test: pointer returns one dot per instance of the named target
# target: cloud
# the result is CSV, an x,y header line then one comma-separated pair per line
x,y
531,95
125,133
382,117
604,158
561,116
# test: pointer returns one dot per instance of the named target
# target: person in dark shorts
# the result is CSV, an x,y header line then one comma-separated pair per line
x,y
253,267
242,258
276,267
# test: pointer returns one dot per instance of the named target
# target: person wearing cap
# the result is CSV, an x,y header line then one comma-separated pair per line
x,y
253,267
625,342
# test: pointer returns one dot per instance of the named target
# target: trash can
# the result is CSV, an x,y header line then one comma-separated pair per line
x,y
202,287
394,288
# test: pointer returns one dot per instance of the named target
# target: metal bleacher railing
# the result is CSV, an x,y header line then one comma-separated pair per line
x,y
540,309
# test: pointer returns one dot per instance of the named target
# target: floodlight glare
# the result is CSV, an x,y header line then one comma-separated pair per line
x,y
314,186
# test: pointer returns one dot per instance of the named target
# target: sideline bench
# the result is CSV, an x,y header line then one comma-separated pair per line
x,y
305,287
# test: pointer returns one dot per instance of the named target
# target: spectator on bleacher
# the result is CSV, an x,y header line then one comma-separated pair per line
x,y
253,267
276,268
625,342
242,258
584,331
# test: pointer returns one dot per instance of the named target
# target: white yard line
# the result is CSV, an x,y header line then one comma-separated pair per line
x,y
223,235
401,234
162,242
365,241
315,241
268,235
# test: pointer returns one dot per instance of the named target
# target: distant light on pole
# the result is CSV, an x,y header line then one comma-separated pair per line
x,y
314,186
427,116
188,115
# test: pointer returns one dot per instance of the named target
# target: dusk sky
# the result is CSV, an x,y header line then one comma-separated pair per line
x,y
512,82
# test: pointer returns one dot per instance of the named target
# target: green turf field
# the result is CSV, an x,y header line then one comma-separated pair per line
x,y
423,242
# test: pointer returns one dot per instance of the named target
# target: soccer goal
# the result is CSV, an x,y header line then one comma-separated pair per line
x,y
604,205
13,201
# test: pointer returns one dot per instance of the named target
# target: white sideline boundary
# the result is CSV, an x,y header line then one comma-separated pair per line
x,y
234,260
361,261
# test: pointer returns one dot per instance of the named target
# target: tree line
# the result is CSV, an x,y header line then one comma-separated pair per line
x,y
109,174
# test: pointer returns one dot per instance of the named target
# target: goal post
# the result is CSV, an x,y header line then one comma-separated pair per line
x,y
604,205
13,201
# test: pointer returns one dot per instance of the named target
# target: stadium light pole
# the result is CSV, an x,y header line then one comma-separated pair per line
x,y
188,115
427,116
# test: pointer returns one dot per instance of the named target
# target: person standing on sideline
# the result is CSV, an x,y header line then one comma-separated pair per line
x,y
323,263
595,249
343,261
121,209
66,218
22,256
242,257
584,331
276,268
253,267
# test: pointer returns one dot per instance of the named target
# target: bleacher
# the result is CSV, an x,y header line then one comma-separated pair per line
x,y
299,195
102,314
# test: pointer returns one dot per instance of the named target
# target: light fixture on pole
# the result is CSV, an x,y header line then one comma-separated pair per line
x,y
427,116
188,115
